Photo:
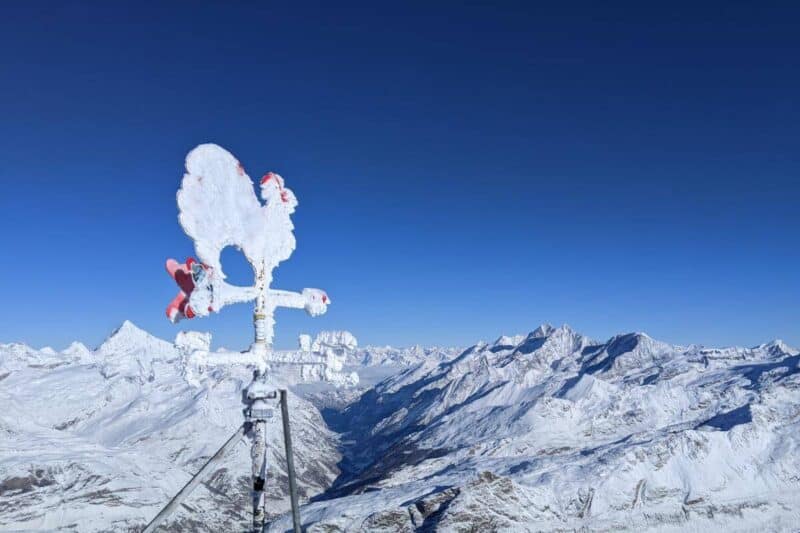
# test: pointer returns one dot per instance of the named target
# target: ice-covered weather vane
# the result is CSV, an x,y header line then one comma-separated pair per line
x,y
219,208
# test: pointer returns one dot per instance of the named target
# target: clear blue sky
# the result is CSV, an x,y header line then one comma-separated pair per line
x,y
462,172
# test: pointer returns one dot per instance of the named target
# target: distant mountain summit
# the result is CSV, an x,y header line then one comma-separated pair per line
x,y
77,350
389,356
130,338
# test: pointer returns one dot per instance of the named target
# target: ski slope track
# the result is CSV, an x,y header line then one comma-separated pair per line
x,y
550,431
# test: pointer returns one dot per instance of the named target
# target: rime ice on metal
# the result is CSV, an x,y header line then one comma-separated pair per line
x,y
219,208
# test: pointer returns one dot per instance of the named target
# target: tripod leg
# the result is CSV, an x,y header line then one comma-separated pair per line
x,y
287,442
196,479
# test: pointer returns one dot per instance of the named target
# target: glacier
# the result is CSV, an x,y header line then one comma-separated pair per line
x,y
550,431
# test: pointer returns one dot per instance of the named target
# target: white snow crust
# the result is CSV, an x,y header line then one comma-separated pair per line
x,y
550,431
101,442
554,431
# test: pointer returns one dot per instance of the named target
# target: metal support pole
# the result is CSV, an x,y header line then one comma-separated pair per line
x,y
287,442
196,479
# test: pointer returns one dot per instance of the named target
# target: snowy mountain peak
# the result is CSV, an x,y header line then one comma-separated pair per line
x,y
127,335
77,350
506,341
130,351
542,331
128,328
778,347
16,350
389,356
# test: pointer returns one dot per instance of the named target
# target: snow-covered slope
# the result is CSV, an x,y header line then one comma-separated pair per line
x,y
540,432
101,440
554,431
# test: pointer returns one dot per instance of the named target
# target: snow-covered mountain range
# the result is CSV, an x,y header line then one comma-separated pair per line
x,y
100,440
389,356
541,432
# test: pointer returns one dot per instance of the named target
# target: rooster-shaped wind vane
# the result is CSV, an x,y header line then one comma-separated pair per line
x,y
219,208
